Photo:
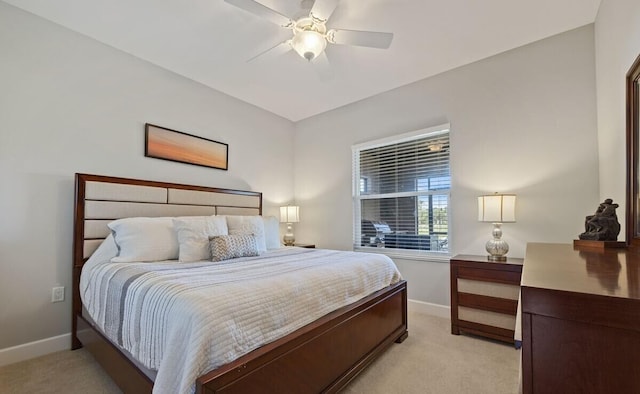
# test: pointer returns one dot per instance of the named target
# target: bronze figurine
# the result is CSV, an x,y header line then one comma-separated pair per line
x,y
603,225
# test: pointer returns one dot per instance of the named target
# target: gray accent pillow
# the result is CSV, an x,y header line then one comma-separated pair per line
x,y
225,247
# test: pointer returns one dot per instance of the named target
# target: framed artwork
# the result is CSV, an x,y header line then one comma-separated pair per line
x,y
167,144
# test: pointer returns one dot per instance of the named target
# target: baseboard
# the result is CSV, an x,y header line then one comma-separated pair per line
x,y
63,342
34,349
429,308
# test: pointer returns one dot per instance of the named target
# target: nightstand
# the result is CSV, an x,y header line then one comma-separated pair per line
x,y
308,246
484,296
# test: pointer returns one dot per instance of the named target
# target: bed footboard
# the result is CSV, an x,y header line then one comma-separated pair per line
x,y
321,357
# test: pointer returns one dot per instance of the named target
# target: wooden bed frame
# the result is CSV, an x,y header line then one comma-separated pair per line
x,y
323,356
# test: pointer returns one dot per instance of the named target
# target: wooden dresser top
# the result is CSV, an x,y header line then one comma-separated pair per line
x,y
609,272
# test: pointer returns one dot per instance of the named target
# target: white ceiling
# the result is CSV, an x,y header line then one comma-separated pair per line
x,y
209,41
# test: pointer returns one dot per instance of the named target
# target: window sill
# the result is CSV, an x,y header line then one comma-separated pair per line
x,y
436,257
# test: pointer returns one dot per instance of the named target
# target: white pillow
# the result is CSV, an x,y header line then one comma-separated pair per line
x,y
271,232
144,239
193,236
248,225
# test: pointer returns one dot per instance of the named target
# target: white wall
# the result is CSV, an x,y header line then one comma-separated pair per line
x,y
617,42
522,121
70,104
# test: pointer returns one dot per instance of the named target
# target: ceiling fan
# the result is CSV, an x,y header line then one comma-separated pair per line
x,y
310,33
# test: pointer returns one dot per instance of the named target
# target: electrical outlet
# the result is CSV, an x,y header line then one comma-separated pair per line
x,y
57,294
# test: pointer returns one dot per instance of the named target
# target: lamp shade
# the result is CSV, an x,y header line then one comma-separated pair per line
x,y
497,208
290,214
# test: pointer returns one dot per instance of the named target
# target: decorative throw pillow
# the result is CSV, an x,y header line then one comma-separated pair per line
x,y
225,247
271,232
248,225
144,239
193,236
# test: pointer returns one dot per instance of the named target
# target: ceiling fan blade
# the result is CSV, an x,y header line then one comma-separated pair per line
x,y
373,39
322,9
275,50
262,11
322,67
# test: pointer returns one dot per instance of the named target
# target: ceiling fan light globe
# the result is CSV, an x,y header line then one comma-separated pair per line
x,y
309,44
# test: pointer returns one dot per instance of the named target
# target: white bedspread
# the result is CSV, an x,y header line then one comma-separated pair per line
x,y
185,319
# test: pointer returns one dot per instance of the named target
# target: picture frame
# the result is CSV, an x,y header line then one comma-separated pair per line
x,y
173,145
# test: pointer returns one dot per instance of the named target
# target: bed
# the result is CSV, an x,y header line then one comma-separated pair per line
x,y
321,356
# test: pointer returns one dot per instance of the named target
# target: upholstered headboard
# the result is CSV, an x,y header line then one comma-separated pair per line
x,y
101,199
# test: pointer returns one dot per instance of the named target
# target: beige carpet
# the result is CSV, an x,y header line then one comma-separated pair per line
x,y
431,360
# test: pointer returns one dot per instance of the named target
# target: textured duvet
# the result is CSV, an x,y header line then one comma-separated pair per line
x,y
185,319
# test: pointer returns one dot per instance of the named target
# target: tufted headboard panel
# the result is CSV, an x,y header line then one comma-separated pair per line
x,y
101,199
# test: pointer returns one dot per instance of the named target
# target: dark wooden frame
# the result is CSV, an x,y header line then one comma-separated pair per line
x,y
633,142
202,140
323,356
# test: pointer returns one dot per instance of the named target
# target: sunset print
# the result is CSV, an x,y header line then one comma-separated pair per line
x,y
174,145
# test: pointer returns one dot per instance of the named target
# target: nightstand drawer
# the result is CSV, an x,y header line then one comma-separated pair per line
x,y
490,275
493,319
491,289
488,303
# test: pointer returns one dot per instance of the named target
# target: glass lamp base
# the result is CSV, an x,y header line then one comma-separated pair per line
x,y
497,247
288,238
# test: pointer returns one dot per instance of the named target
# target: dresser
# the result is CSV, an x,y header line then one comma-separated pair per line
x,y
484,296
580,320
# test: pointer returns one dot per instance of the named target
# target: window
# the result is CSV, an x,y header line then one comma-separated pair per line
x,y
401,188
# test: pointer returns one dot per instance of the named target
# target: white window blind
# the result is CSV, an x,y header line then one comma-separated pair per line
x,y
401,190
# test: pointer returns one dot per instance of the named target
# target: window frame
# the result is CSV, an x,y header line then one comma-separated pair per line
x,y
410,254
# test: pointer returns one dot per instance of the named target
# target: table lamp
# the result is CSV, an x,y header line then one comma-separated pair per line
x,y
289,214
497,209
